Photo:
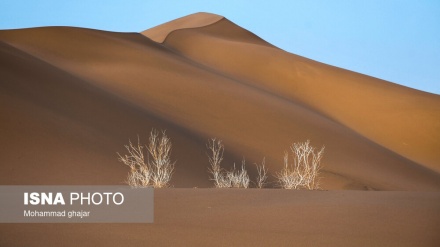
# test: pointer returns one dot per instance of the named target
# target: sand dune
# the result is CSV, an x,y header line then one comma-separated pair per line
x,y
70,99
60,130
73,97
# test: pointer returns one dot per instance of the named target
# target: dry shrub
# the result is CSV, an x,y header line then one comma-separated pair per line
x,y
158,168
303,173
238,178
234,178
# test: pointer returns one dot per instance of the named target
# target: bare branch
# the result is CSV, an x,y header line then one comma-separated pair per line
x,y
262,174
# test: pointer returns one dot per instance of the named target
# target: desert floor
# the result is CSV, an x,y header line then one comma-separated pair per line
x,y
254,217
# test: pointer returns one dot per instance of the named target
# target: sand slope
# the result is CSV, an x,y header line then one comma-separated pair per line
x,y
381,111
71,98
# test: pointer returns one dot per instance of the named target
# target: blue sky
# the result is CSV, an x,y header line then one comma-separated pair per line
x,y
395,40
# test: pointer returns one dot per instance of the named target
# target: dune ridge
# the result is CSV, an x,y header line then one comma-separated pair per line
x,y
207,78
160,32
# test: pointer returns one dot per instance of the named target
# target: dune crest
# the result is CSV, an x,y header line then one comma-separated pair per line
x,y
159,33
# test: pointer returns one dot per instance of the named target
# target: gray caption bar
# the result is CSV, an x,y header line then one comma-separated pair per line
x,y
76,204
